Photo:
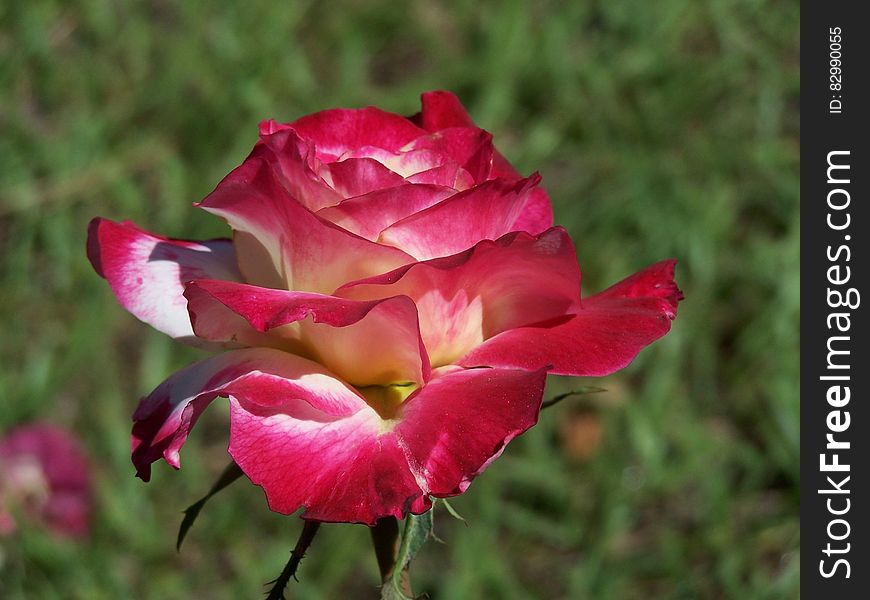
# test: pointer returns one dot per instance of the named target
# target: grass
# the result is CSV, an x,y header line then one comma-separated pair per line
x,y
666,129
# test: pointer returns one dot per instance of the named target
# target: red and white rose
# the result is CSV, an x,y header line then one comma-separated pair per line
x,y
388,308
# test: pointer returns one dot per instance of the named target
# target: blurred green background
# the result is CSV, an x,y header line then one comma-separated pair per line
x,y
662,129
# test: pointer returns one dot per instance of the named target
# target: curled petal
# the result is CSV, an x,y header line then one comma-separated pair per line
x,y
484,212
306,437
148,272
365,342
301,387
282,244
603,336
495,286
293,160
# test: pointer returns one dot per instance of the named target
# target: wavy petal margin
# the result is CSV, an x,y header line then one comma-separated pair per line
x,y
472,296
333,331
311,441
602,337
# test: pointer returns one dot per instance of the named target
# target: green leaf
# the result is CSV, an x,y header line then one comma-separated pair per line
x,y
589,389
229,475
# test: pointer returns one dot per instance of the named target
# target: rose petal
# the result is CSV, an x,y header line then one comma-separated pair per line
x,y
369,214
409,161
602,337
486,211
338,330
303,388
442,110
537,214
336,131
280,243
448,175
305,437
357,176
469,297
148,272
293,159
467,146
348,470
459,422
362,468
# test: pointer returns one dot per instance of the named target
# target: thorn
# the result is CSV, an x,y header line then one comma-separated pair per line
x,y
276,592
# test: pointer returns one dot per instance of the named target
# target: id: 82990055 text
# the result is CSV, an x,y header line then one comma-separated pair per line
x,y
835,64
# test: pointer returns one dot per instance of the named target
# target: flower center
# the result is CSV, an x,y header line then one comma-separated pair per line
x,y
386,399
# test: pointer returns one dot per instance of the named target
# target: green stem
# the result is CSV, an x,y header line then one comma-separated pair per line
x,y
309,530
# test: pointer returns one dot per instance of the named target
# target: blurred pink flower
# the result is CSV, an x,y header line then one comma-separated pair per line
x,y
44,476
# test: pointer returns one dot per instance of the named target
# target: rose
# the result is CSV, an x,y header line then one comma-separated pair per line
x,y
391,302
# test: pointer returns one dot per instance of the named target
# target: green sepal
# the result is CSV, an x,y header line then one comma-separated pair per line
x,y
589,389
417,530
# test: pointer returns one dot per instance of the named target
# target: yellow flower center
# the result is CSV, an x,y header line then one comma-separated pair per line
x,y
386,399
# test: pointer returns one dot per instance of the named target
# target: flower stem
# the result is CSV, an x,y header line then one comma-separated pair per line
x,y
309,530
